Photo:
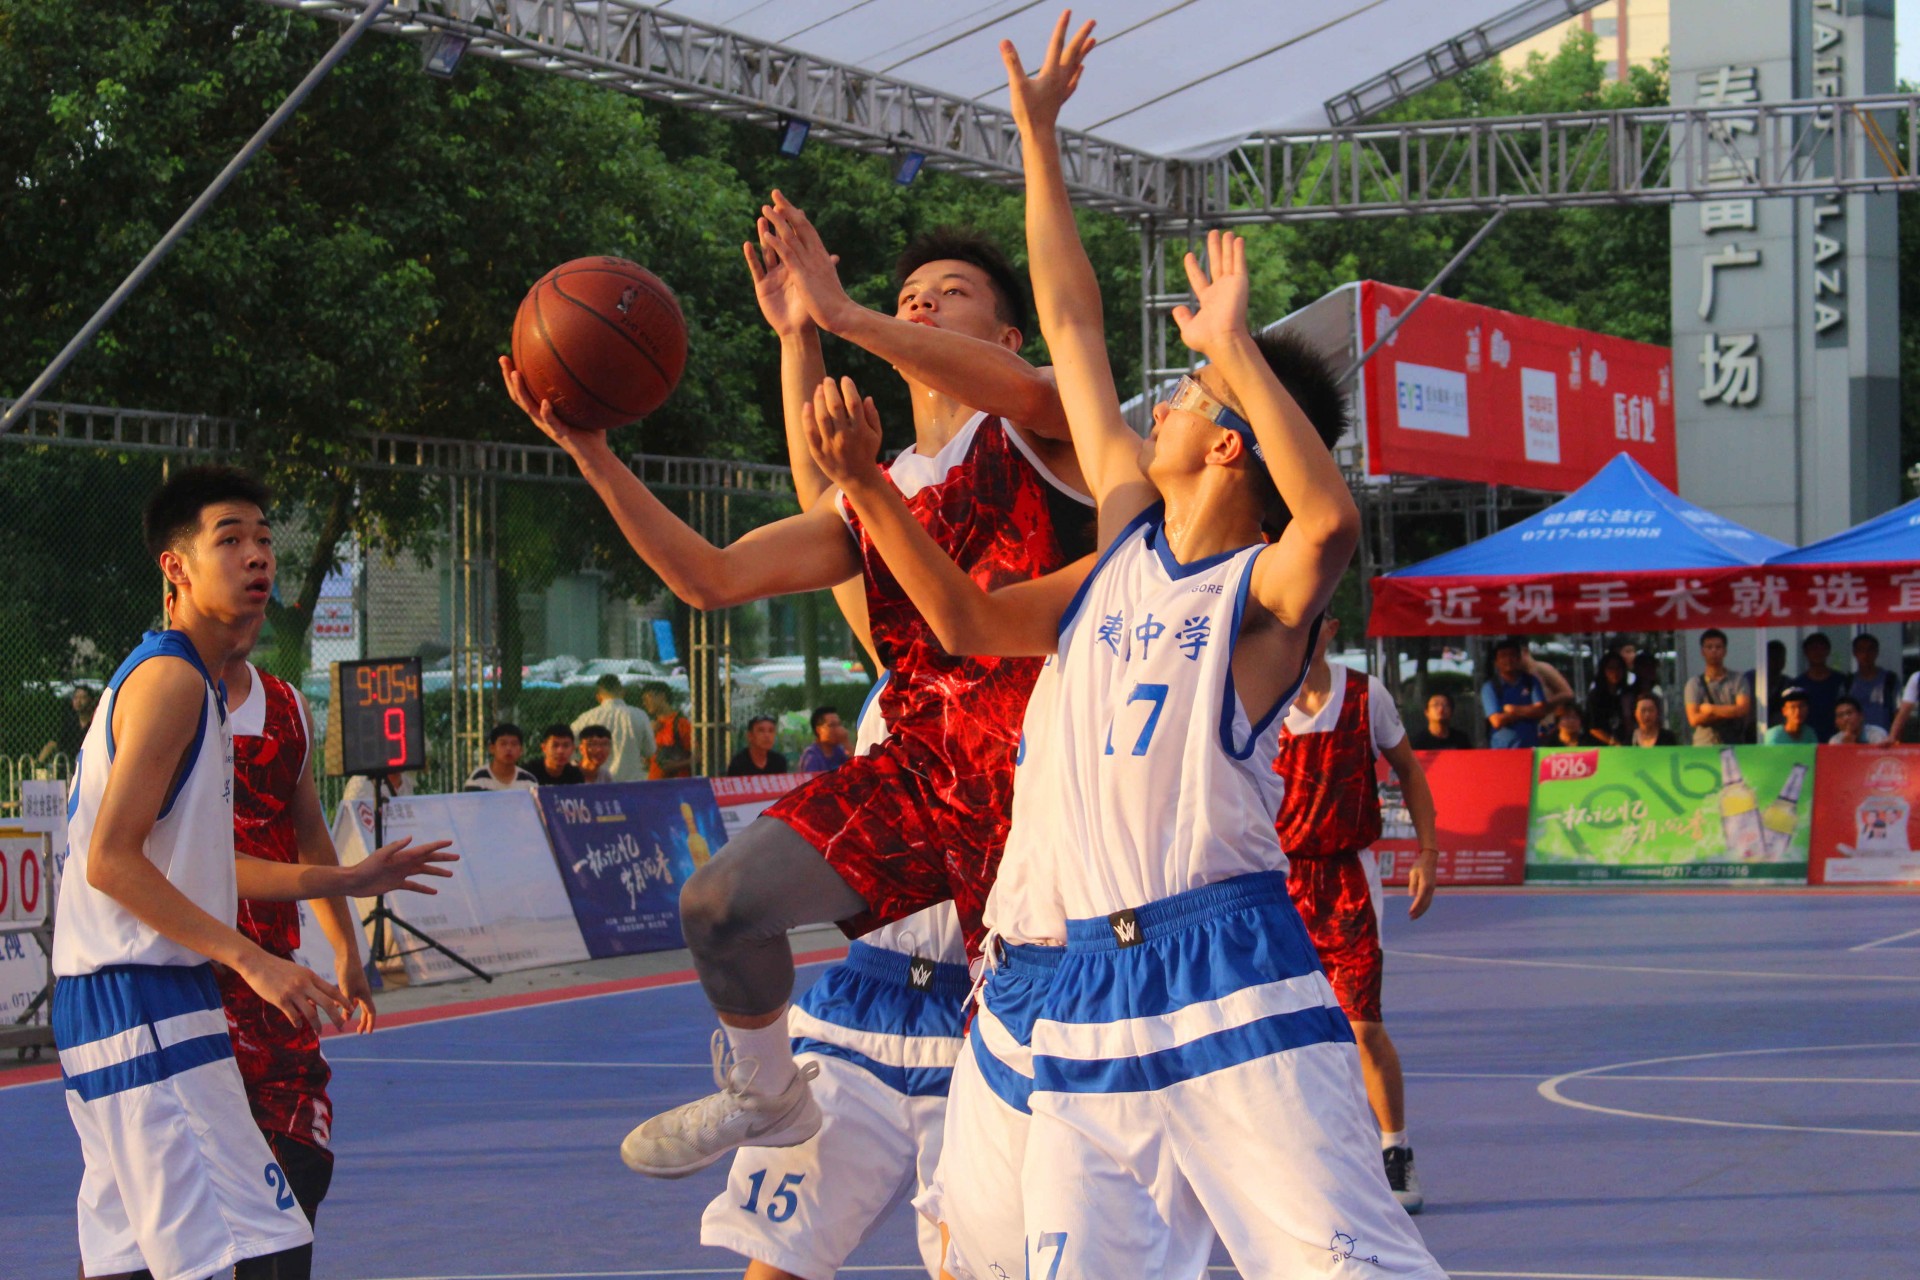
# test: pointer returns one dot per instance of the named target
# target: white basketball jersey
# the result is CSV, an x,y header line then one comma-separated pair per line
x,y
1159,782
1024,904
191,842
932,933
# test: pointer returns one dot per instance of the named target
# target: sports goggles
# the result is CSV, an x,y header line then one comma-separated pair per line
x,y
1188,394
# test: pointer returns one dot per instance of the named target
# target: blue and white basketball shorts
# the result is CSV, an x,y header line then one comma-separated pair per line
x,y
178,1179
1191,1066
975,1193
885,1046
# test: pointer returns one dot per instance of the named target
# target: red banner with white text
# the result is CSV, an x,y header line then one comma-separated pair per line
x,y
1465,392
1669,600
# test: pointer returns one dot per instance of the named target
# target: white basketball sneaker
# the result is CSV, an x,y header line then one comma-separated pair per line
x,y
689,1138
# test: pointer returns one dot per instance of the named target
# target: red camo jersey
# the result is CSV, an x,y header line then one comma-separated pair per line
x,y
1002,519
1332,801
286,1076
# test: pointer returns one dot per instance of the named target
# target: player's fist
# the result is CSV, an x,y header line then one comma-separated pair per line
x,y
303,995
395,866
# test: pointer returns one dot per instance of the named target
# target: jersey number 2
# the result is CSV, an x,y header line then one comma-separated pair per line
x,y
282,1192
1157,695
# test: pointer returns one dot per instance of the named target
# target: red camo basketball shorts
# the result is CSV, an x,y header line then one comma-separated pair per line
x,y
1333,900
906,830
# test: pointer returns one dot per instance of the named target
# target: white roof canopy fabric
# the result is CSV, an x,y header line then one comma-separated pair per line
x,y
1177,78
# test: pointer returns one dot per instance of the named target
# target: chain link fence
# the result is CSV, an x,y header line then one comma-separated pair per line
x,y
493,564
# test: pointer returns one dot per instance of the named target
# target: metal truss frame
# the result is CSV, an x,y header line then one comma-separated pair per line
x,y
1649,155
654,53
1468,49
95,426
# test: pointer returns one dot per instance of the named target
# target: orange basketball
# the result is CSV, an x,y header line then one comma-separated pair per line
x,y
603,339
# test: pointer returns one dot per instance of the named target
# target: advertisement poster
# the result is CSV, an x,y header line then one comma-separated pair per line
x,y
741,800
1863,817
624,851
504,908
1466,392
1671,813
1481,801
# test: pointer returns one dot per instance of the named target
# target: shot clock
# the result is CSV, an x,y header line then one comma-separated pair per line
x,y
374,723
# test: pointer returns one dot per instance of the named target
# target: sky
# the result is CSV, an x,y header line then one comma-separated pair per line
x,y
1906,41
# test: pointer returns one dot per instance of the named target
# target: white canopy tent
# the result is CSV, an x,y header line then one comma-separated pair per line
x,y
1181,79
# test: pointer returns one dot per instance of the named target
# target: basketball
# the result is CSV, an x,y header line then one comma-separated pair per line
x,y
603,339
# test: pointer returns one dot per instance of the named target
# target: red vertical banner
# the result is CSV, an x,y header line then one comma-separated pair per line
x,y
1864,805
1466,392
1481,798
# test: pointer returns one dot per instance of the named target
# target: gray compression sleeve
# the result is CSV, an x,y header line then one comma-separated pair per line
x,y
735,912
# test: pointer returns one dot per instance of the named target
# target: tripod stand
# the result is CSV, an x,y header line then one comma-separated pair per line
x,y
380,946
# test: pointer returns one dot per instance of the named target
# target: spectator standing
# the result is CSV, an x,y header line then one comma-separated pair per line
x,y
758,756
1776,679
596,753
1513,699
1719,704
1609,717
828,750
1796,721
1821,683
1876,691
1909,700
1646,680
1438,733
1648,727
73,728
672,733
1851,727
502,771
628,728
555,767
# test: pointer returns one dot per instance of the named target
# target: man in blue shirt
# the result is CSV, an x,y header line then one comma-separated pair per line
x,y
1823,685
1513,700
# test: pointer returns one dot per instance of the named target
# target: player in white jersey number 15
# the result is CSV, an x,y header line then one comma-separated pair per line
x,y
1191,1067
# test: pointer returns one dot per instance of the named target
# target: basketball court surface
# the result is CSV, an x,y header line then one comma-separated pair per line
x,y
1687,1085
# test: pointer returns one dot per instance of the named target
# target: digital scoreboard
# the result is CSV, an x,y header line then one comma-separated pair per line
x,y
374,720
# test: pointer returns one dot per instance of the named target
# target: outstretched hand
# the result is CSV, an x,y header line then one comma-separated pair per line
x,y
1037,98
809,270
392,867
1221,287
843,432
541,411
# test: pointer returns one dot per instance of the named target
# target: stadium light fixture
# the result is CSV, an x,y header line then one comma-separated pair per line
x,y
793,135
443,54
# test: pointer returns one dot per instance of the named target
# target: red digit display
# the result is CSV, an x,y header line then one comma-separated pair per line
x,y
395,727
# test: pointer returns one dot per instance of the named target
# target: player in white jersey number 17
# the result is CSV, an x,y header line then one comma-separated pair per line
x,y
1191,1067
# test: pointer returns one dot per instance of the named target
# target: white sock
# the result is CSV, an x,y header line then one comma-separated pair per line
x,y
767,1046
1388,1141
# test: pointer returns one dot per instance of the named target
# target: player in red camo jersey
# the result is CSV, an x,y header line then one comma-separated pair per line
x,y
277,817
1329,818
922,817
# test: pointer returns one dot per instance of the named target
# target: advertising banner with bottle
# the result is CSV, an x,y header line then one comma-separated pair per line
x,y
1481,830
624,852
1863,816
1671,813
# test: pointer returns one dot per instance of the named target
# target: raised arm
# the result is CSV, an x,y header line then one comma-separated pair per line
x,y
1023,619
782,302
1295,576
1066,293
807,552
983,375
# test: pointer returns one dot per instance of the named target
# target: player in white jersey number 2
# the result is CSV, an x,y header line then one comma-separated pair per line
x,y
178,1182
883,1028
1192,1071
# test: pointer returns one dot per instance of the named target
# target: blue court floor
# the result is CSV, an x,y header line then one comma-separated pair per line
x,y
1689,1085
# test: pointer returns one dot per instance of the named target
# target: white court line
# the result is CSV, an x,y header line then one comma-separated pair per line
x,y
1881,942
1641,968
1550,1090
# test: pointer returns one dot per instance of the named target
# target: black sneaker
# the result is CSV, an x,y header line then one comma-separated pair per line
x,y
1401,1177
